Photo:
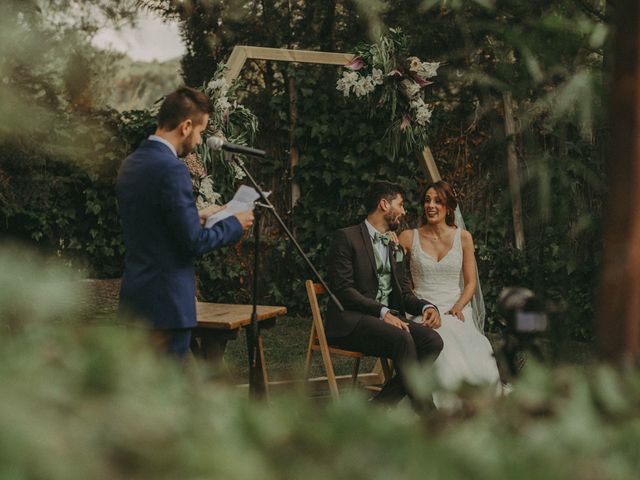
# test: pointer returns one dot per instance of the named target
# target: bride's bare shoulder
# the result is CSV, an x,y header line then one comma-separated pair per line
x,y
406,239
466,238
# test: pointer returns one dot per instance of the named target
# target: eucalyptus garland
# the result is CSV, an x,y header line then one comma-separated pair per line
x,y
394,84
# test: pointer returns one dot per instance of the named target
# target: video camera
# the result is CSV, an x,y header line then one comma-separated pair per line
x,y
524,312
527,321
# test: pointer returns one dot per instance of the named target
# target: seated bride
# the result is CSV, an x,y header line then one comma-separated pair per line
x,y
443,269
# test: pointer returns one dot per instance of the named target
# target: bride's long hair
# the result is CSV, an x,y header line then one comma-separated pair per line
x,y
445,192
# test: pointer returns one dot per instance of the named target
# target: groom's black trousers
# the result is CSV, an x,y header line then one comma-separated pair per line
x,y
374,337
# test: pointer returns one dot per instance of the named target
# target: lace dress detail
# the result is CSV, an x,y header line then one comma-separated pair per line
x,y
467,355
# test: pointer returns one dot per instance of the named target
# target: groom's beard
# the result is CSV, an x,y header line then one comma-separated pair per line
x,y
393,221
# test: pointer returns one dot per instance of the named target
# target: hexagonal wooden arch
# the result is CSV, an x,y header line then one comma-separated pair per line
x,y
242,53
237,59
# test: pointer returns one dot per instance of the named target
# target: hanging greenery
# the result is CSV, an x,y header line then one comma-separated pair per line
x,y
231,121
394,83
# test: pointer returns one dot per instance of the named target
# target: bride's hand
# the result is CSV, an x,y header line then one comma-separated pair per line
x,y
456,311
431,318
393,237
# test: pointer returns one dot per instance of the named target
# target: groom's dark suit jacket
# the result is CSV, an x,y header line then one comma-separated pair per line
x,y
353,280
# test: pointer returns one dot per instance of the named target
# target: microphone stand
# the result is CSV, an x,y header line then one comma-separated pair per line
x,y
256,387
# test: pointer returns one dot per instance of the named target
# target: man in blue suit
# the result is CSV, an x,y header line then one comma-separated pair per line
x,y
162,227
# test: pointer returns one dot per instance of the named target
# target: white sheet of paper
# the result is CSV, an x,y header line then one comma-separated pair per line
x,y
242,201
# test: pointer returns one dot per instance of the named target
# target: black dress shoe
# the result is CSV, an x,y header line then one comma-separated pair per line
x,y
392,392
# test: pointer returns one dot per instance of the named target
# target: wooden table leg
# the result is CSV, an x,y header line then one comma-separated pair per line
x,y
213,343
263,368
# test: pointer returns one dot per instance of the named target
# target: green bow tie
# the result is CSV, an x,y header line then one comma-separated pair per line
x,y
377,238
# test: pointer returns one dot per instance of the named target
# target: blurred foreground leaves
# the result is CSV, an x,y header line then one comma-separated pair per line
x,y
91,400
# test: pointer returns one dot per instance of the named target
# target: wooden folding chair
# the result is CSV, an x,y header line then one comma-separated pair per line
x,y
318,342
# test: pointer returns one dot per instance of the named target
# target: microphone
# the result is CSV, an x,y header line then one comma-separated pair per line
x,y
216,144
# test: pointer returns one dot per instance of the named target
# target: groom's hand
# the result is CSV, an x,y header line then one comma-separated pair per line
x,y
395,321
431,318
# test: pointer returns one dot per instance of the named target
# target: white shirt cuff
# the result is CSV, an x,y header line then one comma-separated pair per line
x,y
383,312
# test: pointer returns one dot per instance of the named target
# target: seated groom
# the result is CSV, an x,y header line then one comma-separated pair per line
x,y
373,287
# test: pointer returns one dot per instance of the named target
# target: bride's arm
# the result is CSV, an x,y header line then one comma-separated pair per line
x,y
468,274
406,240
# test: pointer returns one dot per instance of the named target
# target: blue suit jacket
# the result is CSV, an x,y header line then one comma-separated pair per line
x,y
162,236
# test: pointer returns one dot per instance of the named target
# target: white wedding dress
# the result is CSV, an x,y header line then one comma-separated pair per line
x,y
467,355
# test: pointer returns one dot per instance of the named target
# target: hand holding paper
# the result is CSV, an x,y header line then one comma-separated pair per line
x,y
242,201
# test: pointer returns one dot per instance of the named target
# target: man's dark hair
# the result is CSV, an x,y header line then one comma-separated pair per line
x,y
379,190
181,105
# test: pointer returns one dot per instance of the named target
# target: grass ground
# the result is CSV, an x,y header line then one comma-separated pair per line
x,y
285,344
285,348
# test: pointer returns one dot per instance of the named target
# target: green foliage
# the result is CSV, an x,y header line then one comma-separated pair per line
x,y
65,202
59,154
231,121
91,400
138,85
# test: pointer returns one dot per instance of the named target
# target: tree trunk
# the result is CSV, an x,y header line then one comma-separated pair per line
x,y
619,320
514,170
293,149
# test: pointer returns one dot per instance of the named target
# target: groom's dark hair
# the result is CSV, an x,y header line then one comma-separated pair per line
x,y
182,104
379,190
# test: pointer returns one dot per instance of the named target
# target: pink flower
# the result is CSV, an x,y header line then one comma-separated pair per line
x,y
356,64
421,81
406,121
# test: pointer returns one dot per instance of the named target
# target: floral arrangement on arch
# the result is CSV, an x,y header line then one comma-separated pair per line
x,y
230,120
395,83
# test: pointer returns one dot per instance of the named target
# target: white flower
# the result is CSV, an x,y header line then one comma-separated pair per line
x,y
414,64
416,102
377,76
423,115
237,171
207,195
219,84
422,110
343,86
363,87
359,90
411,88
222,103
428,69
349,80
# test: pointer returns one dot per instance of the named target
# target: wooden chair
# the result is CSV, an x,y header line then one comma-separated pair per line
x,y
318,342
